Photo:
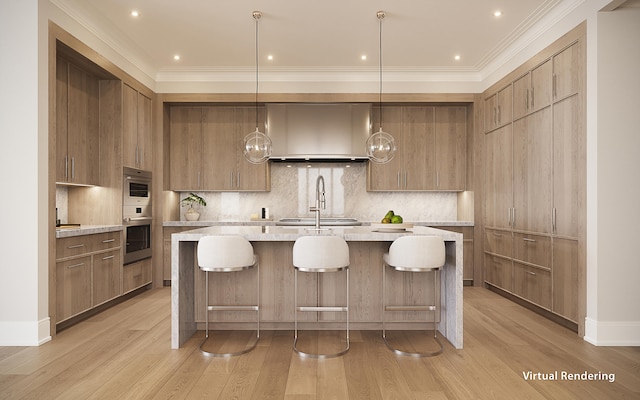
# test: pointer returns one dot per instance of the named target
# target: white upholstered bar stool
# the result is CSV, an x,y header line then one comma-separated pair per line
x,y
414,254
227,254
320,254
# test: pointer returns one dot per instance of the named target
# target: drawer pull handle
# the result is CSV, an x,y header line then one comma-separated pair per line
x,y
75,246
529,240
108,240
497,234
107,257
531,273
75,266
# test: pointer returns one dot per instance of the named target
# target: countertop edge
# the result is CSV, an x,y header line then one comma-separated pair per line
x,y
202,224
87,230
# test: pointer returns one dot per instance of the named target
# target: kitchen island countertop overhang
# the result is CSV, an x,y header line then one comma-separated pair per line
x,y
184,280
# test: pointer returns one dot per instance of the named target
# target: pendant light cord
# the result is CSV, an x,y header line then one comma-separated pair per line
x,y
257,15
380,18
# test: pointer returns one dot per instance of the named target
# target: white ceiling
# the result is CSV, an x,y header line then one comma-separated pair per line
x,y
303,35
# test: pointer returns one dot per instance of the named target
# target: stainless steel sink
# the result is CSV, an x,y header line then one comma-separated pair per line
x,y
323,222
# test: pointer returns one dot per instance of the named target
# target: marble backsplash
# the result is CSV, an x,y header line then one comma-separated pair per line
x,y
293,192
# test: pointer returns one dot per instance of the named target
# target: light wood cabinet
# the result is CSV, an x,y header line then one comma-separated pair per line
x,y
498,177
498,109
566,270
532,172
432,147
136,129
88,272
535,187
136,275
206,150
106,277
77,125
532,91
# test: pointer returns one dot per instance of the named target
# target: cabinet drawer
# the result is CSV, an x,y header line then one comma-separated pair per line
x,y
533,284
73,287
73,246
136,275
498,271
533,249
498,242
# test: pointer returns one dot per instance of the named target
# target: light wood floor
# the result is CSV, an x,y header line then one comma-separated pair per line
x,y
124,353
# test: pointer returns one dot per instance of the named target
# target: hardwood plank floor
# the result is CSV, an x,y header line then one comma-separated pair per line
x,y
124,353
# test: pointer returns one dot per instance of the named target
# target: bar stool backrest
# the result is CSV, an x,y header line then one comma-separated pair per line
x,y
417,252
320,253
219,252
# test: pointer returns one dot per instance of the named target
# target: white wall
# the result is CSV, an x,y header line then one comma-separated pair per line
x,y
613,316
23,174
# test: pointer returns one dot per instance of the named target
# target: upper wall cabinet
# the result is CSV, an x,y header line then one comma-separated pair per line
x,y
532,92
497,109
432,146
77,125
567,70
136,129
206,149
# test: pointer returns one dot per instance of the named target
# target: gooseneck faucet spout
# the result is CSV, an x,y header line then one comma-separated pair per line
x,y
320,200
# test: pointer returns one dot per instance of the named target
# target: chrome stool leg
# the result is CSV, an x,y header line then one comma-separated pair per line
x,y
433,308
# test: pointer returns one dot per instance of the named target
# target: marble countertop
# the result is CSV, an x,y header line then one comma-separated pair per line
x,y
198,224
86,230
285,233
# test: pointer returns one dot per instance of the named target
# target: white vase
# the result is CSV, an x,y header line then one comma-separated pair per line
x,y
191,215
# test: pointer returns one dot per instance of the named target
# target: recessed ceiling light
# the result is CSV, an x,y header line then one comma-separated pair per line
x,y
176,57
135,13
497,13
457,57
363,57
269,57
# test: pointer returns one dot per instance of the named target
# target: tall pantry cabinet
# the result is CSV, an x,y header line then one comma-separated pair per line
x,y
535,179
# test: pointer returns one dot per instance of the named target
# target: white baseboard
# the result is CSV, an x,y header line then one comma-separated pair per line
x,y
25,333
612,333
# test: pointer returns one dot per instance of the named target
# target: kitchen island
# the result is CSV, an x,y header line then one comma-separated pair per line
x,y
273,245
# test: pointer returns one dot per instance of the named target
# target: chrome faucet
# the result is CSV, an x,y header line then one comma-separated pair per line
x,y
320,200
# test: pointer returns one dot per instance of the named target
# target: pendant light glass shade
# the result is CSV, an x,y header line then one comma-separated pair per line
x,y
256,146
381,147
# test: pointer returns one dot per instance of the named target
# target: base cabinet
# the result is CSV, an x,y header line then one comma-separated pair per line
x,y
88,272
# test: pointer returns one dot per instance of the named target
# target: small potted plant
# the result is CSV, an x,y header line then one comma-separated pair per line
x,y
189,201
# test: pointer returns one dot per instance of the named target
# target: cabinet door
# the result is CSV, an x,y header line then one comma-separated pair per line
x,y
567,71
532,172
185,148
107,269
219,149
145,132
505,105
451,147
419,153
498,177
129,126
541,86
62,107
521,96
250,176
136,275
73,287
491,113
565,278
569,176
82,127
388,176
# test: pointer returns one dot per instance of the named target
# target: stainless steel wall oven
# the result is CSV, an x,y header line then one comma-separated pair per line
x,y
136,214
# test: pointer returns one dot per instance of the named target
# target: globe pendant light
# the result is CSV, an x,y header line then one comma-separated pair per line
x,y
381,147
256,145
